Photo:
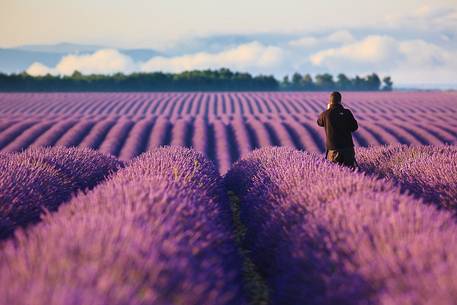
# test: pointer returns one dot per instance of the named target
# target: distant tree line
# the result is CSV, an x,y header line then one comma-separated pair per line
x,y
206,80
325,82
197,80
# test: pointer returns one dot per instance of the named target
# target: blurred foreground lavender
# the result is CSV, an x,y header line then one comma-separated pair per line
x,y
429,172
43,178
157,233
321,234
161,232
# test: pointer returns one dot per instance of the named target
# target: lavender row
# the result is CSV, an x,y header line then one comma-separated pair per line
x,y
223,140
40,179
429,172
212,103
157,233
321,234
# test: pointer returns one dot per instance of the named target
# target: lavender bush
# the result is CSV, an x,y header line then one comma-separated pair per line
x,y
429,172
43,178
86,167
26,187
156,233
321,234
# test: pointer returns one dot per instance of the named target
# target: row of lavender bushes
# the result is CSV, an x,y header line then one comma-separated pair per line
x,y
321,234
428,172
158,232
40,179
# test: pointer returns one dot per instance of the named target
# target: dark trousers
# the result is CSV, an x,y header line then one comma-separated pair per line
x,y
344,156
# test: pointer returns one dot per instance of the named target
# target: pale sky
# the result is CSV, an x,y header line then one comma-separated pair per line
x,y
414,41
148,23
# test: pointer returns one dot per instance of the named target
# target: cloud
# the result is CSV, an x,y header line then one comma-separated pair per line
x,y
427,16
105,61
305,42
385,51
338,37
38,69
252,56
421,53
341,37
407,60
373,50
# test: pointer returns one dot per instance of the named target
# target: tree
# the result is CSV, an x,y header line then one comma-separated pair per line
x,y
388,84
286,82
308,83
343,82
325,81
357,83
297,81
373,83
77,75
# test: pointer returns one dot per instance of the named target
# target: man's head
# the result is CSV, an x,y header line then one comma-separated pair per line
x,y
335,98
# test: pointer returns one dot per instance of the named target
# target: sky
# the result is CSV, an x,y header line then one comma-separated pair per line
x,y
413,41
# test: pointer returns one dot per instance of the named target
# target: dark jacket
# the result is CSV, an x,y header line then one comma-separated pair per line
x,y
339,123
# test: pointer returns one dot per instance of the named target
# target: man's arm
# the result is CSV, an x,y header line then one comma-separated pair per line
x,y
320,120
353,125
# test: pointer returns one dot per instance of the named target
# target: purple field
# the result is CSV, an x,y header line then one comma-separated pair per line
x,y
223,126
219,216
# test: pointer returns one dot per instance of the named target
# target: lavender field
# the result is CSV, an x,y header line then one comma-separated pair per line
x,y
223,126
219,215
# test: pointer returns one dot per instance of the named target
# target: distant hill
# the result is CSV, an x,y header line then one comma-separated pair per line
x,y
140,54
18,59
61,48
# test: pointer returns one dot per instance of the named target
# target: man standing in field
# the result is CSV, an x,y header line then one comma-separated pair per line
x,y
339,124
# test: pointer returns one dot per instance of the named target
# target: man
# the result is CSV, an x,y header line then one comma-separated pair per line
x,y
339,124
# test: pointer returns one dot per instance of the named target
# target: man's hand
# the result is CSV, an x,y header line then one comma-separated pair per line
x,y
320,120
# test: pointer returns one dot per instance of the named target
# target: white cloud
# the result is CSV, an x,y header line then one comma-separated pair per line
x,y
385,51
106,61
308,42
407,61
305,42
342,36
427,16
38,69
373,50
421,53
252,56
